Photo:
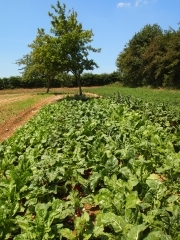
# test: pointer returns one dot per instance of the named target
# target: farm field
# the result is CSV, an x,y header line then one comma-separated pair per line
x,y
158,96
106,168
18,105
12,102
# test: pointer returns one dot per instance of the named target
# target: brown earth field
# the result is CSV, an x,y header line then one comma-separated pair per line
x,y
8,127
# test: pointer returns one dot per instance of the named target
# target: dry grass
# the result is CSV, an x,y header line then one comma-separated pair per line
x,y
13,102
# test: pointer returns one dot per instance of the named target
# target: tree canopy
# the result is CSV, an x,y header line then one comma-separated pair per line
x,y
152,57
65,49
130,61
42,61
163,60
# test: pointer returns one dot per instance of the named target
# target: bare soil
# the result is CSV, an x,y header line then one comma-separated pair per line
x,y
8,128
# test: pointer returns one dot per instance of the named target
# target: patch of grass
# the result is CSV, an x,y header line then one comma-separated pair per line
x,y
10,109
168,97
14,101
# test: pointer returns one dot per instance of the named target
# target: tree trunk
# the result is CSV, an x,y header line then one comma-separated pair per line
x,y
79,84
48,84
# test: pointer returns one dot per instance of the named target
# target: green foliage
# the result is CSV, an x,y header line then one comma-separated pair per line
x,y
60,80
65,50
130,61
162,97
151,58
73,42
96,169
42,61
90,79
11,82
31,77
162,60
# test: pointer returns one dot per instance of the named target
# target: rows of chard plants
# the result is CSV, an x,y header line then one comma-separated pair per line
x,y
96,169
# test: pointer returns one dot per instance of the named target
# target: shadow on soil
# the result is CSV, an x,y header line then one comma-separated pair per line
x,y
78,97
51,93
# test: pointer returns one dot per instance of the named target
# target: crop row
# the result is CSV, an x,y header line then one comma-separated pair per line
x,y
98,169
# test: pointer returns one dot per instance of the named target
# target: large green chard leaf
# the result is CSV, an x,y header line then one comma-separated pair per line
x,y
132,200
136,232
94,180
157,235
118,224
104,198
68,234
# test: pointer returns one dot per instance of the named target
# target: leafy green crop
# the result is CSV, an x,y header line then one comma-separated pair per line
x,y
100,169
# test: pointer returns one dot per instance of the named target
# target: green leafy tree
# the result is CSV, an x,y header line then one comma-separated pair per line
x,y
130,62
42,61
162,59
73,42
173,56
154,56
66,50
45,56
31,77
4,83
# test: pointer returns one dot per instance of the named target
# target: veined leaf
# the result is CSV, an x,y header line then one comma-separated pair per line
x,y
135,232
110,219
157,235
67,233
132,200
104,198
94,179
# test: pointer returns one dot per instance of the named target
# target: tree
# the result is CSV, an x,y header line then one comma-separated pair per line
x,y
65,50
130,62
43,60
73,42
29,73
154,58
162,59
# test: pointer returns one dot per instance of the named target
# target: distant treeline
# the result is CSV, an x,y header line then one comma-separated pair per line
x,y
151,57
62,80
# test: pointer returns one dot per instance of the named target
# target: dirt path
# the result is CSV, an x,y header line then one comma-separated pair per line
x,y
9,127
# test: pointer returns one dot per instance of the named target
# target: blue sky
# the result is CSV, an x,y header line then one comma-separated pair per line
x,y
114,22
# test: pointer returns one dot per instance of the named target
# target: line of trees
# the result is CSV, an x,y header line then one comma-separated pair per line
x,y
151,57
61,80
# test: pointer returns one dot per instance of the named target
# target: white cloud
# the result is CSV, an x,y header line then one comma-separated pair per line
x,y
123,4
138,2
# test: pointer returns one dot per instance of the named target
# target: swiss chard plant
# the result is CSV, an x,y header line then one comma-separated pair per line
x,y
100,169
